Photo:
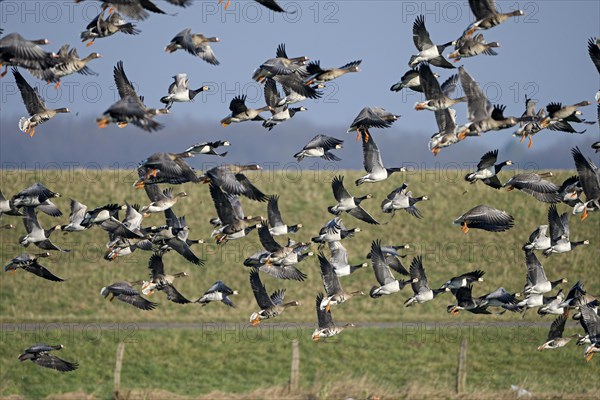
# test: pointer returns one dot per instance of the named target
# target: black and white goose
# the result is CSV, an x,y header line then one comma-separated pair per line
x,y
591,323
560,238
387,283
217,292
463,280
401,199
35,234
333,231
320,146
38,196
348,203
536,281
180,92
373,164
276,225
539,239
487,170
279,113
208,148
419,284
427,50
339,260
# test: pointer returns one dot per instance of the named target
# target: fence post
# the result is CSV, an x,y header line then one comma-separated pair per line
x,y
118,365
461,374
295,366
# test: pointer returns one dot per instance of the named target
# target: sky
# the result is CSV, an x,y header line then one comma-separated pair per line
x,y
543,55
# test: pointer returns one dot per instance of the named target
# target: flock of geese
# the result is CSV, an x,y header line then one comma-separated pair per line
x,y
228,185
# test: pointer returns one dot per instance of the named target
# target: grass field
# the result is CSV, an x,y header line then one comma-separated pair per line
x,y
200,364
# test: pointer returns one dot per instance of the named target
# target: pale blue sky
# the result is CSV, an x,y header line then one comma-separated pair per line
x,y
543,54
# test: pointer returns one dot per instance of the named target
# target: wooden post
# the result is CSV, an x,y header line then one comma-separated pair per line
x,y
118,365
461,374
295,366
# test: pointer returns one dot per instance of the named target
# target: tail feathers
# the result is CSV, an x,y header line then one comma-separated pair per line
x,y
24,124
397,87
470,177
331,157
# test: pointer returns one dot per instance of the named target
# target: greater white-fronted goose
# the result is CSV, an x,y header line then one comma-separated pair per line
x,y
534,185
373,164
320,146
349,203
38,196
589,177
464,280
487,15
280,113
234,225
241,113
555,339
101,214
78,212
320,75
279,260
276,224
126,90
166,200
401,199
40,355
332,285
560,238
208,148
326,328
570,190
35,106
372,117
17,51
128,110
282,65
334,230
483,117
591,322
448,132
427,50
125,292
472,46
536,281
539,239
557,112
487,170
270,306
180,92
29,263
419,284
217,292
339,260
485,217
388,284
230,179
136,9
35,233
101,27
67,63
166,168
410,80
437,97
161,281
194,43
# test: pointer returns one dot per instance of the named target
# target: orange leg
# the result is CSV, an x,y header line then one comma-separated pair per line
x,y
88,44
32,132
464,227
57,85
3,74
530,142
122,124
585,214
522,137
